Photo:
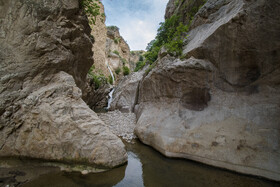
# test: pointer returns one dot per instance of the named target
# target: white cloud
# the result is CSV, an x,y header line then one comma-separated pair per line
x,y
138,26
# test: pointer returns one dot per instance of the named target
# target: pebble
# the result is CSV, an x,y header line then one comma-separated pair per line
x,y
85,172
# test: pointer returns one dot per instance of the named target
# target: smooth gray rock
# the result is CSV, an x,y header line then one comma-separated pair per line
x,y
221,104
125,95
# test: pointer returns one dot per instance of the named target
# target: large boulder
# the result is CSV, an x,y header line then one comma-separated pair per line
x,y
45,54
125,95
221,104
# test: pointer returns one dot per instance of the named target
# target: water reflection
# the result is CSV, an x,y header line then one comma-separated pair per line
x,y
133,172
75,179
147,167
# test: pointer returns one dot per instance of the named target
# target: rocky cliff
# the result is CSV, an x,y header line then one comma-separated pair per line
x,y
45,54
135,56
99,32
111,55
118,52
220,102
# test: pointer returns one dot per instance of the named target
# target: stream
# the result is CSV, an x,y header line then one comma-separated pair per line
x,y
147,167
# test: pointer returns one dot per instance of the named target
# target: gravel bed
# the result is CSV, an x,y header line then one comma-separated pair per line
x,y
121,124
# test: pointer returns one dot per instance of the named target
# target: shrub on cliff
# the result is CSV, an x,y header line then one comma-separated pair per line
x,y
126,70
140,64
92,9
170,35
118,70
97,79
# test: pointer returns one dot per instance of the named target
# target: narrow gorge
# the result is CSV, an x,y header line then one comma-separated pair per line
x,y
78,107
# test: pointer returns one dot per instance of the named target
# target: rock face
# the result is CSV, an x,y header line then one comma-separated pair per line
x,y
96,99
45,55
184,8
221,104
117,50
125,95
99,31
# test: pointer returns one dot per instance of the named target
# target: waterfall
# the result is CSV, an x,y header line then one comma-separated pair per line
x,y
112,91
110,98
112,75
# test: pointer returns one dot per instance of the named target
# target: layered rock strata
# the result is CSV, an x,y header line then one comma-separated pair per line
x,y
46,52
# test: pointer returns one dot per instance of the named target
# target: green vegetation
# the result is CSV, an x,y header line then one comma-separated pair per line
x,y
112,27
118,70
111,80
151,66
117,40
92,9
140,64
170,35
141,58
116,52
98,80
123,60
126,70
177,2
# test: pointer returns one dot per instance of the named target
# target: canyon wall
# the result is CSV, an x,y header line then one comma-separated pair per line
x,y
219,103
118,52
99,32
45,55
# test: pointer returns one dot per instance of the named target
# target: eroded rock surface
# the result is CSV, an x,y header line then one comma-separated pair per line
x,y
125,96
118,52
220,105
45,54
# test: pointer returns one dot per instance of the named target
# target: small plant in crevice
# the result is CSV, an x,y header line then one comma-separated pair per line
x,y
123,60
118,70
116,52
111,80
126,70
117,40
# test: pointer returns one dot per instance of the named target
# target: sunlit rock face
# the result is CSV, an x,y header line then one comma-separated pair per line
x,y
45,54
219,105
99,32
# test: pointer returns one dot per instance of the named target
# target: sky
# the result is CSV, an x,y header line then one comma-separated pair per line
x,y
138,20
